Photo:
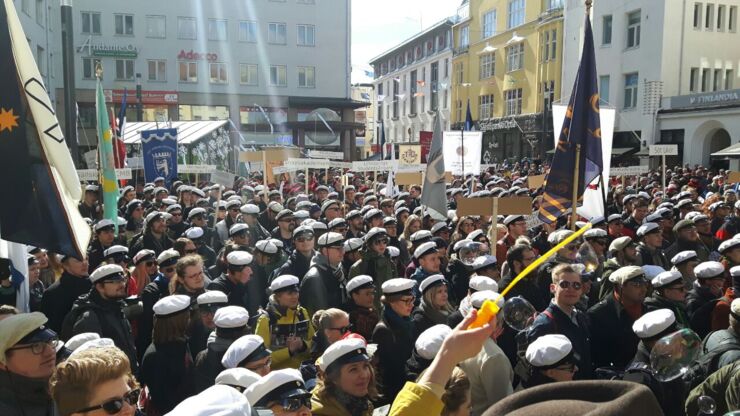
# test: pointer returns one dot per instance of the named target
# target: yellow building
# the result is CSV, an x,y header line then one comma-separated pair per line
x,y
507,63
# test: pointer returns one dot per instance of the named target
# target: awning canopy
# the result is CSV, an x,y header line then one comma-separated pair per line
x,y
731,152
187,131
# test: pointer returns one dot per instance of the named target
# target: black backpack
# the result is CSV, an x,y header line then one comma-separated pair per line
x,y
708,363
701,319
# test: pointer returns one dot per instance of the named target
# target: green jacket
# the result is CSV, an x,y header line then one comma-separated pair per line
x,y
378,266
723,386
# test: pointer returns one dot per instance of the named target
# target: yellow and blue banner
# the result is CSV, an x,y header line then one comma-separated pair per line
x,y
107,161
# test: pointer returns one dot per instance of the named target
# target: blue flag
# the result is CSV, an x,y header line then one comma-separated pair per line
x,y
580,127
468,118
159,150
382,141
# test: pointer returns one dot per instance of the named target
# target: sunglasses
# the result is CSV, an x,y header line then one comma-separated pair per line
x,y
150,264
168,269
575,285
343,330
191,251
572,247
113,406
176,214
293,404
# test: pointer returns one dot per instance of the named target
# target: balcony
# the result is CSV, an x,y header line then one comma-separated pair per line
x,y
460,50
463,12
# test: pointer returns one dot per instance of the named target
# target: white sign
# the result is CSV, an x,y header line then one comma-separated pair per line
x,y
379,165
663,150
412,168
195,168
455,153
342,165
322,154
255,166
92,174
628,171
277,170
307,163
222,178
533,221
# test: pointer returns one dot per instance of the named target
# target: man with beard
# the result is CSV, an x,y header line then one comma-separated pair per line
x,y
222,227
154,236
233,283
59,297
285,227
685,262
101,311
176,224
198,217
250,216
669,292
323,285
687,238
356,227
104,236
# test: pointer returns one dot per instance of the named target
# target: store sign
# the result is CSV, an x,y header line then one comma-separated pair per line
x,y
492,125
195,56
107,49
147,97
706,100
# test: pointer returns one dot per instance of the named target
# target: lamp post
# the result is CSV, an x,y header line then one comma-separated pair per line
x,y
139,108
68,68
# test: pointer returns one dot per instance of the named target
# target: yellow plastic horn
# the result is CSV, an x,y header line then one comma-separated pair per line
x,y
490,308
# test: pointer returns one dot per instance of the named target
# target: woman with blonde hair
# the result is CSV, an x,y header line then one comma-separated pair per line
x,y
96,381
434,308
330,326
346,383
456,397
412,225
465,226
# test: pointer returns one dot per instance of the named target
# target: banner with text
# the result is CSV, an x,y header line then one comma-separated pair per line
x,y
159,151
456,154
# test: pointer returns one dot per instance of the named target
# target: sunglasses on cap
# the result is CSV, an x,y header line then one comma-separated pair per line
x,y
295,403
113,406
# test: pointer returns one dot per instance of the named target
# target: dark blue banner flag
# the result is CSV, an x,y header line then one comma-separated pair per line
x,y
382,141
580,127
159,151
468,118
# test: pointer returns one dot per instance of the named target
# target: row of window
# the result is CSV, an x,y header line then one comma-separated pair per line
x,y
720,19
415,53
218,72
487,63
515,16
633,29
708,79
34,8
187,28
629,100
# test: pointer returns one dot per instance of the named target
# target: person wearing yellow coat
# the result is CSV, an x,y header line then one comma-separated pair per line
x,y
285,326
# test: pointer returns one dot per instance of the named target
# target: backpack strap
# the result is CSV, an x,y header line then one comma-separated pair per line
x,y
552,318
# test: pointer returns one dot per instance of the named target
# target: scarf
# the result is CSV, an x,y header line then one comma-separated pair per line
x,y
322,262
24,392
634,311
397,321
438,316
356,406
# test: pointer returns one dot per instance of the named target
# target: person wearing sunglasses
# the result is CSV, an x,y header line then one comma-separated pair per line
x,y
95,382
166,368
551,358
592,252
346,384
285,325
566,255
152,293
145,269
101,311
669,292
222,227
613,343
374,259
393,334
234,281
562,317
176,225
282,392
198,237
27,360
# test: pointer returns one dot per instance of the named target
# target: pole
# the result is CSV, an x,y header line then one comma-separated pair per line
x,y
307,183
462,153
139,108
68,69
493,231
663,176
574,200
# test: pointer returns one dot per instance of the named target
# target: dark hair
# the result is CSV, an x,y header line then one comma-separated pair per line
x,y
232,333
516,253
180,244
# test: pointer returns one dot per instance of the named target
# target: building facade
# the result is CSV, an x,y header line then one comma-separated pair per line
x,y
507,65
412,81
655,60
265,65
41,21
365,136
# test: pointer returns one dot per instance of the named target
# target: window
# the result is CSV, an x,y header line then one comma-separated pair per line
x,y
156,26
217,29
447,68
40,60
604,88
278,75
513,102
717,85
460,73
26,6
395,99
693,79
464,36
553,43
709,17
40,12
248,74
217,72
157,70
489,24
125,69
633,29
728,79
630,90
307,76
434,86
554,4
248,32
403,83
697,15
306,36
487,65
721,17
276,33
203,112
516,14
444,100
606,30
458,110
732,19
705,74
380,101
515,57
186,28
124,24
90,23
549,93
188,71
485,107
545,46
412,92
88,67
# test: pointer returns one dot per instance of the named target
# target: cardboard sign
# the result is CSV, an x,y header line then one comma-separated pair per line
x,y
484,206
250,156
195,168
628,171
733,177
308,163
409,154
448,177
408,178
222,178
271,155
322,154
380,165
663,150
536,181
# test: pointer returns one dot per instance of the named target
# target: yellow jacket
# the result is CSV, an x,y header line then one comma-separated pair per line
x,y
323,405
273,334
416,400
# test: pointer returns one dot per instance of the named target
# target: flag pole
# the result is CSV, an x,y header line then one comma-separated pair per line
x,y
574,200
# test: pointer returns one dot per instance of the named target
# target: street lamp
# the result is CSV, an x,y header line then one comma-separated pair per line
x,y
139,108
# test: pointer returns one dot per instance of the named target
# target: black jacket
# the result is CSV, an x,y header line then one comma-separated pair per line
x,y
92,313
697,296
527,289
95,254
255,296
148,241
208,363
394,349
671,395
235,292
151,294
679,308
297,265
653,257
322,287
59,297
613,342
166,370
458,274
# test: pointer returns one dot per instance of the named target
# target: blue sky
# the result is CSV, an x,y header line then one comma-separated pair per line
x,y
378,25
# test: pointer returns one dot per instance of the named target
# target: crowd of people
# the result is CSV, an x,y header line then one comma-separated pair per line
x,y
357,300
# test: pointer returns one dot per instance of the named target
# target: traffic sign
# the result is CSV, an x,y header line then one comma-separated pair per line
x,y
663,150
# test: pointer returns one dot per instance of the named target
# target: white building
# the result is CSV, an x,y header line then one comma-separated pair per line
x,y
652,53
41,21
411,81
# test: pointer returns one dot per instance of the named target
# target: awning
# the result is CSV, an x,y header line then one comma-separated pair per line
x,y
187,131
617,151
731,152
